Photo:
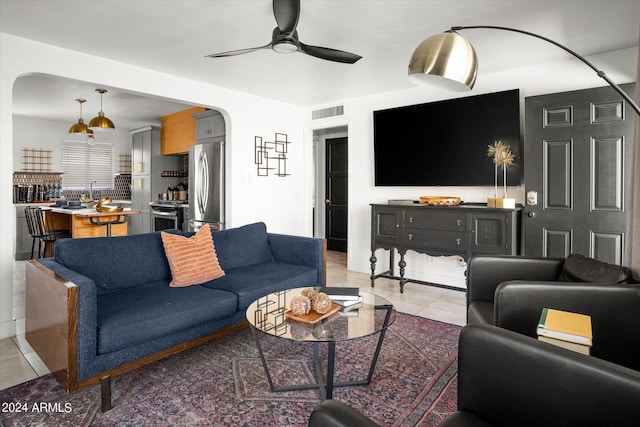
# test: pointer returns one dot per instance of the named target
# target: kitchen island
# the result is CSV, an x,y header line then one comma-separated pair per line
x,y
87,222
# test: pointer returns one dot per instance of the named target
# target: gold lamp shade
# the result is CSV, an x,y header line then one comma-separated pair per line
x,y
447,60
101,122
80,127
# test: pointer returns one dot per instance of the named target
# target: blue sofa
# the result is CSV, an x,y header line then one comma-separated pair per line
x,y
119,312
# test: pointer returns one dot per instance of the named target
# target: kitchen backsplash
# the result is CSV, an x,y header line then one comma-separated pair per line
x,y
121,190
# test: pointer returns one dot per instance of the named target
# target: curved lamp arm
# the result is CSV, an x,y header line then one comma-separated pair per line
x,y
600,73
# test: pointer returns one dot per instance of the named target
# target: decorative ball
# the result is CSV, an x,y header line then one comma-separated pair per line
x,y
322,303
300,305
309,293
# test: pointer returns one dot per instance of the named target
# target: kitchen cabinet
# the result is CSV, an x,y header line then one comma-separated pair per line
x,y
179,131
464,230
210,126
146,181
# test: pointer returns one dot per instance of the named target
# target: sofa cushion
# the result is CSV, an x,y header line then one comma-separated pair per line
x,y
192,260
579,268
243,246
132,316
255,281
115,263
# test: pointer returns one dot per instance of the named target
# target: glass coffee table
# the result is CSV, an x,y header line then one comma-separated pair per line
x,y
267,315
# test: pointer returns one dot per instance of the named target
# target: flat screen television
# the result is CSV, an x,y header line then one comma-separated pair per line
x,y
445,143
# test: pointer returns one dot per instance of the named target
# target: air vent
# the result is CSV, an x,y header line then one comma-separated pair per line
x,y
327,112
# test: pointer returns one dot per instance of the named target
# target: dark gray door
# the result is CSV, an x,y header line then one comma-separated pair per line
x,y
578,170
337,164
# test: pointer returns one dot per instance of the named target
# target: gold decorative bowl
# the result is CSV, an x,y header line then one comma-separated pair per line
x,y
100,206
440,200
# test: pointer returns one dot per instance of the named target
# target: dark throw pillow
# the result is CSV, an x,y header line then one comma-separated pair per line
x,y
579,268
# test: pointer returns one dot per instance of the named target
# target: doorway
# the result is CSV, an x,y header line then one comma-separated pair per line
x,y
579,147
331,187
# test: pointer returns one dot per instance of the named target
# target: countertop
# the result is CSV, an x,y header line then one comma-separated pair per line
x,y
90,211
48,203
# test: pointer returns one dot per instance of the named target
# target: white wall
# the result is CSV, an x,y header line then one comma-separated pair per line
x,y
31,132
280,202
567,75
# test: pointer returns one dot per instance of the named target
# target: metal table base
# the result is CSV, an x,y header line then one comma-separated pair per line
x,y
326,386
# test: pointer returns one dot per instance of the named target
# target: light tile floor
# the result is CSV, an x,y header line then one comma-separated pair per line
x,y
19,363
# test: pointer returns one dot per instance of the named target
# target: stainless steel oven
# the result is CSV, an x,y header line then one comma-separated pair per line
x,y
166,216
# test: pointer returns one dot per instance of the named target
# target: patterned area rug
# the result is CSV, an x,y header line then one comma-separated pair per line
x,y
222,383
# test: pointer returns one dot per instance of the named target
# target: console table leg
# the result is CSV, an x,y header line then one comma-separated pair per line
x,y
402,264
373,261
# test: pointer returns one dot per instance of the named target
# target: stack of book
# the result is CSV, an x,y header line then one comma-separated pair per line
x,y
349,299
566,329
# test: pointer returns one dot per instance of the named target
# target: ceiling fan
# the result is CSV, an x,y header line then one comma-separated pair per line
x,y
284,38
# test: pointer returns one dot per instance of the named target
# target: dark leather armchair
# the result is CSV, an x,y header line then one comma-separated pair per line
x,y
509,379
494,297
333,413
486,272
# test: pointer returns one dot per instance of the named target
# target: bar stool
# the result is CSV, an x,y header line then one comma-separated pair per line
x,y
43,229
32,221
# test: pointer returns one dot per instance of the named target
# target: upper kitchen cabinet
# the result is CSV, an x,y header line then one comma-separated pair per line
x,y
209,126
179,131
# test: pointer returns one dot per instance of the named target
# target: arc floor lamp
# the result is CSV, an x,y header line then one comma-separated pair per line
x,y
451,60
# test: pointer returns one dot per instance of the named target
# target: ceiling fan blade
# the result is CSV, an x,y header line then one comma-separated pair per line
x,y
330,54
287,13
237,52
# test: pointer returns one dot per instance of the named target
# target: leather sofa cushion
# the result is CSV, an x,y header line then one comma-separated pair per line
x,y
578,268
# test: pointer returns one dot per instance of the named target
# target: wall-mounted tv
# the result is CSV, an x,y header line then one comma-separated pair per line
x,y
445,142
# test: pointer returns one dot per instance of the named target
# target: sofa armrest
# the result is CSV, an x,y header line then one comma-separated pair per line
x,y
299,250
614,311
506,378
485,273
82,312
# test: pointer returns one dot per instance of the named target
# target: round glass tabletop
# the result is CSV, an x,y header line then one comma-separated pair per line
x,y
369,316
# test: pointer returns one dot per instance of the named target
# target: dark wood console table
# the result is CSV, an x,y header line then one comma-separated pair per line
x,y
463,230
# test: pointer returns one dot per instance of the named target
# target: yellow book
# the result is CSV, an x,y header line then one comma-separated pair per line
x,y
564,325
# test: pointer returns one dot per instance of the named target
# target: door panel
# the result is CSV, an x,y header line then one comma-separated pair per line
x,y
578,151
337,196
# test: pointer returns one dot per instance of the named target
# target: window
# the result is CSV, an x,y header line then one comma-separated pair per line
x,y
83,163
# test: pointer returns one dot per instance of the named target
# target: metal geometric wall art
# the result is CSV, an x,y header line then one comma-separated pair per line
x,y
271,155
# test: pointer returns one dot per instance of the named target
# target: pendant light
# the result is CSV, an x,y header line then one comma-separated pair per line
x,y
81,127
101,122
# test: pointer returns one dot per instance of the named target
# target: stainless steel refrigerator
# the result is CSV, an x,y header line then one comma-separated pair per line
x,y
206,185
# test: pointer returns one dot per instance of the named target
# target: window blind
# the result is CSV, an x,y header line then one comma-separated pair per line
x,y
83,163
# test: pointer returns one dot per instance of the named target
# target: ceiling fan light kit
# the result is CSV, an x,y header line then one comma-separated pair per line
x,y
450,61
101,122
284,38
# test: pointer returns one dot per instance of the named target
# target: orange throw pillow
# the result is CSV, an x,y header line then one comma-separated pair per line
x,y
192,260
